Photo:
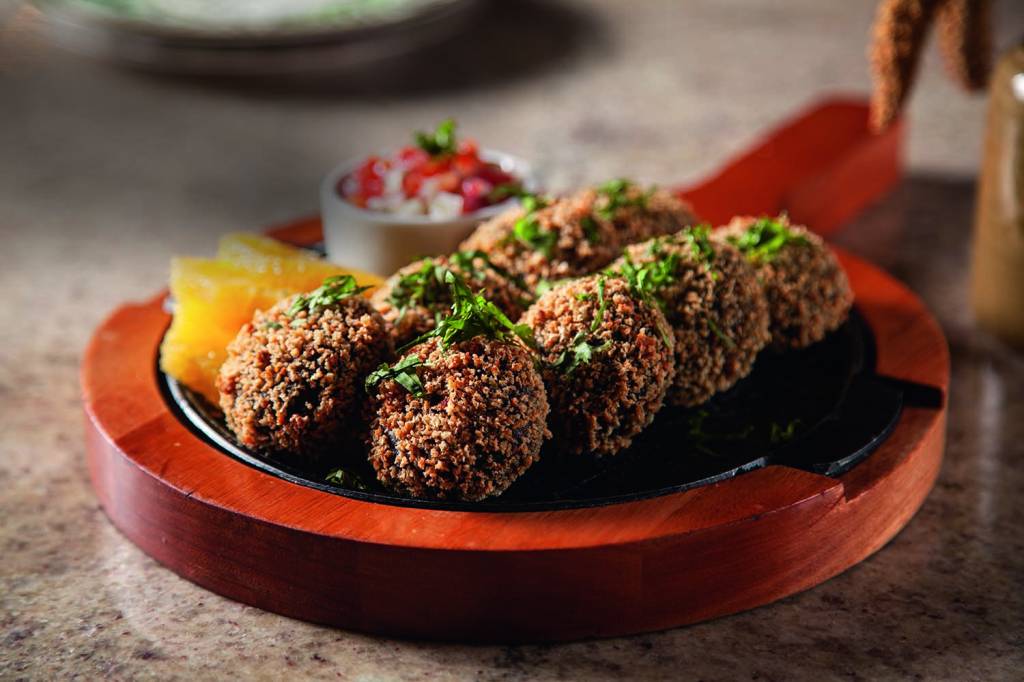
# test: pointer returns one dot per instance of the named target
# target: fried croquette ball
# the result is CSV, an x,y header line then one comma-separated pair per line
x,y
293,379
606,358
458,423
713,303
807,290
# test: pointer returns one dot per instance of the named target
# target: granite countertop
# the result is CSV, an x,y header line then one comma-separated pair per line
x,y
104,174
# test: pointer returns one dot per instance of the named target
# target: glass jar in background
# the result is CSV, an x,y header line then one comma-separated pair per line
x,y
997,271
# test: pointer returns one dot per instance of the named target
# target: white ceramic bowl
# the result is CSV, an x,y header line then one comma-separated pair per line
x,y
382,242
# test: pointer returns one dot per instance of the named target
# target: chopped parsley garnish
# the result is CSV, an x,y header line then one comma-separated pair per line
x,y
546,285
647,279
781,434
698,238
617,193
766,237
473,315
346,479
527,229
506,190
581,349
427,286
271,325
590,230
725,338
422,287
403,372
441,141
466,262
700,436
332,292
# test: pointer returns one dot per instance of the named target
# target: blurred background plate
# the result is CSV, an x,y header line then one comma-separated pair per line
x,y
258,37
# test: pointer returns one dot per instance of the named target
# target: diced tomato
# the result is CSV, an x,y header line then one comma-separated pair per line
x,y
466,165
493,174
433,167
475,193
448,182
367,169
411,183
469,147
412,157
372,187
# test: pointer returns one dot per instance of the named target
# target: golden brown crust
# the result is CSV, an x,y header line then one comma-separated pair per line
x,y
661,213
587,240
807,290
724,296
406,324
479,425
293,385
603,404
583,244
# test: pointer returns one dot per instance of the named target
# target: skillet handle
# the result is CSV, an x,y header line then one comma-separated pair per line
x,y
823,167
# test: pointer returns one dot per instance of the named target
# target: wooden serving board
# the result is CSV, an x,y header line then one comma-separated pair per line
x,y
522,576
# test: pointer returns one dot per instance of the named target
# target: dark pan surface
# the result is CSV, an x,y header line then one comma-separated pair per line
x,y
821,409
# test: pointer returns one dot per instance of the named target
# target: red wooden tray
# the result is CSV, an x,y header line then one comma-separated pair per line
x,y
516,576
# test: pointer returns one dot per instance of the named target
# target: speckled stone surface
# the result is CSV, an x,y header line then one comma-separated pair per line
x,y
105,174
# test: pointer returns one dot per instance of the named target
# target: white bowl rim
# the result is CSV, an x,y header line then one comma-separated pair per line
x,y
329,183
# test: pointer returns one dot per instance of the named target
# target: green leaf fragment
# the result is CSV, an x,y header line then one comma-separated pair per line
x,y
332,292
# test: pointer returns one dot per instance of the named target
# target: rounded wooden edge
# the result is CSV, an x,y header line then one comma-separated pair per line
x,y
514,576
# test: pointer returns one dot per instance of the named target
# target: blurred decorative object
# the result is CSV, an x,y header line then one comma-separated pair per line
x,y
901,27
265,37
998,265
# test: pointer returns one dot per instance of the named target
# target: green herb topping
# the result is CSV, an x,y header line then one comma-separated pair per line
x,y
421,287
698,238
332,292
441,141
426,286
782,433
506,190
717,331
271,325
473,315
403,372
546,285
617,194
590,230
527,229
700,436
648,279
346,479
766,237
581,349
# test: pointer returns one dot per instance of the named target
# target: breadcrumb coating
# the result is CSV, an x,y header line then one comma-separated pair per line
x,y
589,236
717,312
294,384
407,322
599,406
478,426
807,290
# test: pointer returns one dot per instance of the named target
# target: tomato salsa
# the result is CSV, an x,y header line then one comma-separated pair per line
x,y
439,176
